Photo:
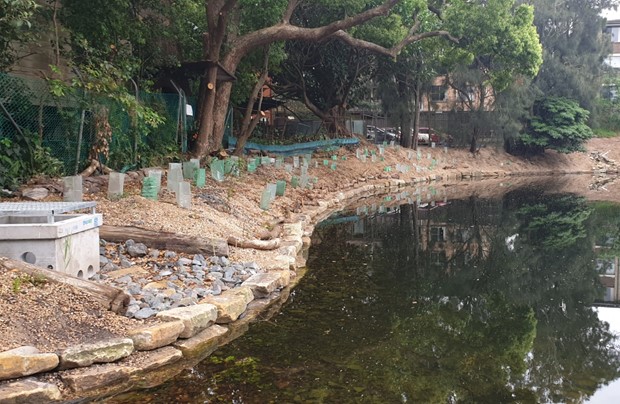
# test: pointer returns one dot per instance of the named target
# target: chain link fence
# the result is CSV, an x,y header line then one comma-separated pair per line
x,y
66,125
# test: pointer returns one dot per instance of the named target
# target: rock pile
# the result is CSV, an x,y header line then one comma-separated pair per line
x,y
162,280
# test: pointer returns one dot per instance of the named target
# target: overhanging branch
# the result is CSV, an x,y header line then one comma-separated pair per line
x,y
396,49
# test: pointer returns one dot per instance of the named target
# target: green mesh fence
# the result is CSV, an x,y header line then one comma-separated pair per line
x,y
28,104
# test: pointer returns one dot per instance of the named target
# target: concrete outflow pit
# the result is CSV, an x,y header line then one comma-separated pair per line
x,y
46,235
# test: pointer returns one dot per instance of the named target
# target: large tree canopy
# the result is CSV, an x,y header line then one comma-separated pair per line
x,y
227,41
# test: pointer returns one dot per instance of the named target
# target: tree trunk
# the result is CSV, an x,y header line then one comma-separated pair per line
x,y
416,116
219,115
165,240
255,244
206,114
249,123
334,121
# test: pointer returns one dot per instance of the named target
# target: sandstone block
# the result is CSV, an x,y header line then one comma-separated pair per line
x,y
265,283
28,392
231,303
195,318
97,352
156,335
205,340
24,361
95,377
155,359
292,229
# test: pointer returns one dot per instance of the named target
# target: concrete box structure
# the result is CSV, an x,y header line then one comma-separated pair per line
x,y
67,243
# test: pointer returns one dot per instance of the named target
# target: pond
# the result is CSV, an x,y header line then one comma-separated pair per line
x,y
459,301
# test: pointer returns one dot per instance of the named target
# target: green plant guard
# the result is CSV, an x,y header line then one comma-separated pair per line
x,y
280,187
294,181
200,177
217,170
265,199
150,188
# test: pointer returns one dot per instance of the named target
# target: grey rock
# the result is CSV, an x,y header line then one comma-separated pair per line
x,y
252,265
176,297
102,251
199,274
201,259
216,289
172,285
224,261
133,288
170,254
173,278
145,313
215,275
132,310
137,250
229,273
161,306
214,260
124,279
143,305
184,261
197,267
110,266
103,260
238,267
201,292
35,194
129,242
216,268
165,272
154,253
125,263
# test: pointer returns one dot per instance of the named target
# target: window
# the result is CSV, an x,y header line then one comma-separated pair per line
x,y
438,234
438,93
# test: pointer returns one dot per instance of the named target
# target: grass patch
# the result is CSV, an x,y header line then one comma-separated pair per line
x,y
605,133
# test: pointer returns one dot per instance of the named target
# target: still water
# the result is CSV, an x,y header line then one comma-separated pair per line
x,y
462,301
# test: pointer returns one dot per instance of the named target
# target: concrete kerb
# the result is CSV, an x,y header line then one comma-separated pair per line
x,y
183,353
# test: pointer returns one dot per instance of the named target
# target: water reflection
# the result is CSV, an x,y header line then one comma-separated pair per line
x,y
462,301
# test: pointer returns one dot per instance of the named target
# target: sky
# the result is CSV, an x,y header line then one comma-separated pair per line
x,y
612,14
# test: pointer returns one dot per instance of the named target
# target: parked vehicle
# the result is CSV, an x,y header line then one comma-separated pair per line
x,y
427,136
386,135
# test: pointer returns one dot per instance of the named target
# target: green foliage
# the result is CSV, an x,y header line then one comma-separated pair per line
x,y
500,36
16,18
559,124
574,49
557,224
23,158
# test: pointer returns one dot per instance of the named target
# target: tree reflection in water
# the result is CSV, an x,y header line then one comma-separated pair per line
x,y
475,301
